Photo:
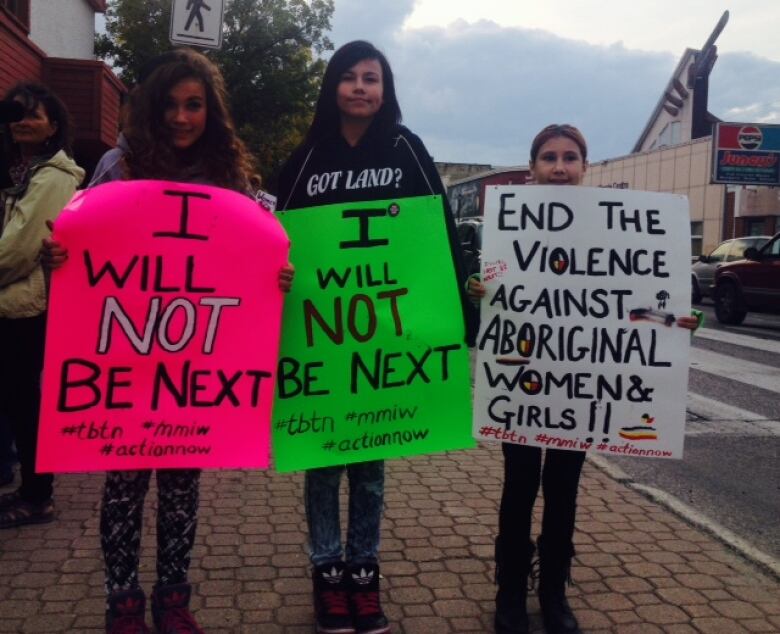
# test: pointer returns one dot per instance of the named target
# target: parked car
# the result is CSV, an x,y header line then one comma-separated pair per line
x,y
703,270
752,284
470,238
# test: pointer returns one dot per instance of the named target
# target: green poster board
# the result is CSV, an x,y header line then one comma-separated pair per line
x,y
373,362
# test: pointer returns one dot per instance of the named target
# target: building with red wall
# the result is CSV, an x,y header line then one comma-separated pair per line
x,y
52,42
467,195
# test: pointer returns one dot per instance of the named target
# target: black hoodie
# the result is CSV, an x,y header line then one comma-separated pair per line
x,y
382,166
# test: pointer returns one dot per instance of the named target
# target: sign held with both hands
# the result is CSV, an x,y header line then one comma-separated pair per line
x,y
163,330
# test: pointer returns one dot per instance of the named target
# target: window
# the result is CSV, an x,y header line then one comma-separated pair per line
x,y
754,226
665,136
773,251
697,237
738,247
719,254
20,9
675,132
670,135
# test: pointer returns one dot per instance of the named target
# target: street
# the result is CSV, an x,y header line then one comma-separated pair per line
x,y
729,472
762,325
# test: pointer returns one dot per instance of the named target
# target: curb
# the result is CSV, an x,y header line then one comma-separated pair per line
x,y
758,558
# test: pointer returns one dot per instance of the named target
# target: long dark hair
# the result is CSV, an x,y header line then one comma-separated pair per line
x,y
31,95
327,119
222,155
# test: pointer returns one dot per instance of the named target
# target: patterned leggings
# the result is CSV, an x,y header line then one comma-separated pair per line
x,y
121,520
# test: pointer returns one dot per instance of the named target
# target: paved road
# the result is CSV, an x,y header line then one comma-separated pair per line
x,y
730,472
762,325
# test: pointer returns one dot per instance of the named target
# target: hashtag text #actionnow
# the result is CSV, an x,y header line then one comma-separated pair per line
x,y
369,441
154,450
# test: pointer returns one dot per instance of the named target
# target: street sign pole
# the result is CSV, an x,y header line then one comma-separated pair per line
x,y
197,22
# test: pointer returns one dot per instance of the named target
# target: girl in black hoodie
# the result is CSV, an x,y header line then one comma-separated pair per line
x,y
356,132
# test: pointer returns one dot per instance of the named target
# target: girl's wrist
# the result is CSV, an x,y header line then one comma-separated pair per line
x,y
474,276
699,315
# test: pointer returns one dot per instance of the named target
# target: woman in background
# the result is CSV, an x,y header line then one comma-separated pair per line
x,y
44,178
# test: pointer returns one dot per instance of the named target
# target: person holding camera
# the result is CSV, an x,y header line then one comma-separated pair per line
x,y
44,178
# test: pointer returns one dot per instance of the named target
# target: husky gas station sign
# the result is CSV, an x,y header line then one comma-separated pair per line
x,y
746,154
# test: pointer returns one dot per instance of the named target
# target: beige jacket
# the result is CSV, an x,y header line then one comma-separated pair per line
x,y
22,284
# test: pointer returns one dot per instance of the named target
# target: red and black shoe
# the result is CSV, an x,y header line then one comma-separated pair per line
x,y
367,614
331,599
170,610
125,613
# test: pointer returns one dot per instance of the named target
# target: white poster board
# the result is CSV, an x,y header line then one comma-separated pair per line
x,y
197,22
577,346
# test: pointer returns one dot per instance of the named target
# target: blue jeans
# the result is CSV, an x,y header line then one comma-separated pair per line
x,y
366,496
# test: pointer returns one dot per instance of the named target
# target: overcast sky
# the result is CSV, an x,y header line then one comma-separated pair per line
x,y
477,79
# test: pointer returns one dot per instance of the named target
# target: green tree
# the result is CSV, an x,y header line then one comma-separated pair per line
x,y
269,58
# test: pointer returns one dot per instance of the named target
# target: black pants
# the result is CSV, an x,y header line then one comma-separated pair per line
x,y
21,363
560,478
121,521
7,453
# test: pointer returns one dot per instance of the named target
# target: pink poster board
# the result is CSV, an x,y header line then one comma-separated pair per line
x,y
163,330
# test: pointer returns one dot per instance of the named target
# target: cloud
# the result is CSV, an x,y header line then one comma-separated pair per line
x,y
744,87
377,21
478,92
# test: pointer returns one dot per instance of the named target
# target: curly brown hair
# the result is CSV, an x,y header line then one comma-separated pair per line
x,y
222,156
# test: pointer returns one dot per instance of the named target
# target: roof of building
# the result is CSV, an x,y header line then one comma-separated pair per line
x,y
487,173
98,5
663,99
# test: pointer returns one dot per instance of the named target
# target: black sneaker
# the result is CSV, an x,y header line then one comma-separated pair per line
x,y
331,599
364,600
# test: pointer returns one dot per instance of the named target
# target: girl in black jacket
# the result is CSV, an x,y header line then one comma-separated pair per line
x,y
356,150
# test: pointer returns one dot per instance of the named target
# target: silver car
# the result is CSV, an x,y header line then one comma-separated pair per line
x,y
703,271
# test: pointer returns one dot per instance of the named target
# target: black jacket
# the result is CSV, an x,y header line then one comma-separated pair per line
x,y
384,165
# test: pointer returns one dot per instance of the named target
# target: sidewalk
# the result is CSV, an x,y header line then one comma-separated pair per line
x,y
639,568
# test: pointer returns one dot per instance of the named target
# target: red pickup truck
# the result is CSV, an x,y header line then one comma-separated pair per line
x,y
752,284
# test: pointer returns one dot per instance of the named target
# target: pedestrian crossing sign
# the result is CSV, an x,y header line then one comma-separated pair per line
x,y
197,22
